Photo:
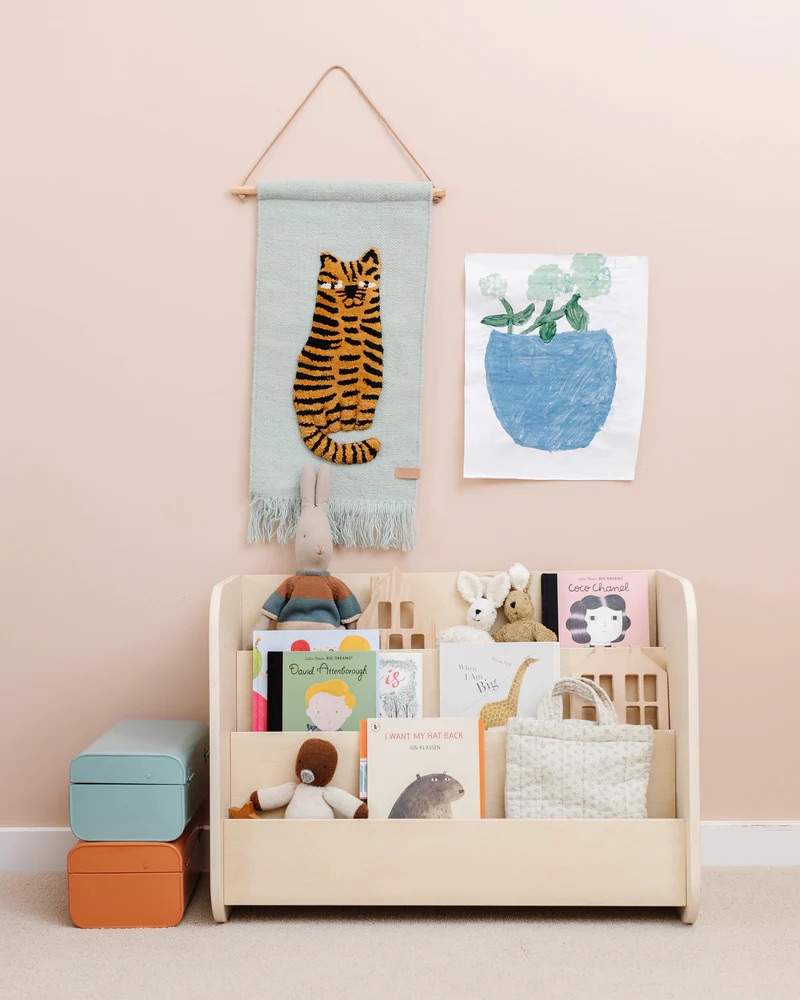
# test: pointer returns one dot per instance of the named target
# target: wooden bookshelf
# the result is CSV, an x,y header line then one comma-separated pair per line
x,y
494,861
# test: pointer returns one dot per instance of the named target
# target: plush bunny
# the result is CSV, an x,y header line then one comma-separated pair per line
x,y
312,598
518,608
313,797
484,595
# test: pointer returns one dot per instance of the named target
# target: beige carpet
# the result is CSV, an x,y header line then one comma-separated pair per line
x,y
745,944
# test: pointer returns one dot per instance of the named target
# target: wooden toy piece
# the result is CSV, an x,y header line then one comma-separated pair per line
x,y
247,811
635,679
393,610
497,713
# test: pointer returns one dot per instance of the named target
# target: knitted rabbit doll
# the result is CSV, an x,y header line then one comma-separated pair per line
x,y
312,598
518,607
484,594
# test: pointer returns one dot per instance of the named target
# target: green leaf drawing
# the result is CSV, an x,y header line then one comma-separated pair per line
x,y
257,663
499,319
547,331
524,315
507,306
577,317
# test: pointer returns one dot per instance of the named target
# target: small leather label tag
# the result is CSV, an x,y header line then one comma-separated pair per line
x,y
406,473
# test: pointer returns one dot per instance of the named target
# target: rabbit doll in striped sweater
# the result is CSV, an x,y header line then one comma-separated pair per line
x,y
312,598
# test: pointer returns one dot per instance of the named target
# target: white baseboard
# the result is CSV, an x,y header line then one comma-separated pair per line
x,y
757,845
724,844
42,848
35,848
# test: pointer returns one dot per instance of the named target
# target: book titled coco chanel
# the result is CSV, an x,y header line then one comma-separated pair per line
x,y
597,609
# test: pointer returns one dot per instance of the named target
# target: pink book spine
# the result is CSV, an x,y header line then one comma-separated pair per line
x,y
259,720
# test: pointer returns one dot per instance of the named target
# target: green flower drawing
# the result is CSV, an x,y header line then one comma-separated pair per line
x,y
588,278
493,286
548,282
590,275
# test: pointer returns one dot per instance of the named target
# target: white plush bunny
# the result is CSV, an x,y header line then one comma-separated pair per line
x,y
484,594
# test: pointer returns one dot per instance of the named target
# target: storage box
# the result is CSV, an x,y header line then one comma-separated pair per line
x,y
144,884
142,780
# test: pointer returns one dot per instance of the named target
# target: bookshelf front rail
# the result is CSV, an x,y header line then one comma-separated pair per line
x,y
486,862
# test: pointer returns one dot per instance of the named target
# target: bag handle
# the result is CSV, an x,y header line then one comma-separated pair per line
x,y
552,708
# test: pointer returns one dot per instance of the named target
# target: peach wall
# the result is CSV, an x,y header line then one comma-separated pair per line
x,y
127,298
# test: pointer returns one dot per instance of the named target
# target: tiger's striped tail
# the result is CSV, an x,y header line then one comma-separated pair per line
x,y
352,453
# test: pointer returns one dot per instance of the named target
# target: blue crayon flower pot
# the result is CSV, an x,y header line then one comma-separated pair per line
x,y
554,396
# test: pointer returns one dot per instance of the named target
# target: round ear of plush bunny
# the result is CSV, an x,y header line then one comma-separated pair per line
x,y
497,588
520,577
469,586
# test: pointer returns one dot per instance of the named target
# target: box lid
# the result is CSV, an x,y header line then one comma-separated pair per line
x,y
142,751
134,856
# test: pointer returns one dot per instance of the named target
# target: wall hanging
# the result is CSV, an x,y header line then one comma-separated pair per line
x,y
342,272
555,365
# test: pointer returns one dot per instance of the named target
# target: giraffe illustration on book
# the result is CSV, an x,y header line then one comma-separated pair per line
x,y
497,713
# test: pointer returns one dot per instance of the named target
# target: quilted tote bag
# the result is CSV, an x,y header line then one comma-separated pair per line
x,y
559,768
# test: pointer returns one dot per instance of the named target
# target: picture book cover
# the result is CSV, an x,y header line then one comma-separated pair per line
x,y
400,684
265,640
597,609
496,681
325,691
424,768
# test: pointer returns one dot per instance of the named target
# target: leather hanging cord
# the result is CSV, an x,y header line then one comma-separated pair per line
x,y
438,192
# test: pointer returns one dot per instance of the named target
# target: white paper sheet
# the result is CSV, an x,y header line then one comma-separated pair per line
x,y
567,409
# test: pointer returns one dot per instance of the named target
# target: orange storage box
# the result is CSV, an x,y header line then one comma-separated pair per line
x,y
137,884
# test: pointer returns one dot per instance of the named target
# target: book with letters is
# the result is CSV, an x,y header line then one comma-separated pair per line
x,y
597,609
321,691
496,681
400,683
423,768
270,640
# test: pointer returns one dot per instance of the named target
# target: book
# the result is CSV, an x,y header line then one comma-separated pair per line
x,y
597,609
496,680
400,684
423,768
265,640
321,691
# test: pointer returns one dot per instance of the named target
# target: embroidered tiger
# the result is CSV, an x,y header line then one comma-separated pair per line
x,y
340,369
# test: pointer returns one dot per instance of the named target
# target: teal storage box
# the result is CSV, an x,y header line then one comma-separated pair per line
x,y
142,780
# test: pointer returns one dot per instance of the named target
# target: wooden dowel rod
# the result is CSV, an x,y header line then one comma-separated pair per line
x,y
251,192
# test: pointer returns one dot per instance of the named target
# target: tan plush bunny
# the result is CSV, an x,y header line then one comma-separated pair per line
x,y
312,598
518,608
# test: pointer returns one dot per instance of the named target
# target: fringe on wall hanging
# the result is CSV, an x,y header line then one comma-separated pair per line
x,y
340,305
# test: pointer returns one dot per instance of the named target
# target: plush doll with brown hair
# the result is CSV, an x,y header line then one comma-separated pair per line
x,y
518,607
312,598
312,796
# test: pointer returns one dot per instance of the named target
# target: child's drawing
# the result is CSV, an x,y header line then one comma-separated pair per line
x,y
555,372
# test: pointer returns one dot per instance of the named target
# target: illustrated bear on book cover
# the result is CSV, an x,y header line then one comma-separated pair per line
x,y
424,768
